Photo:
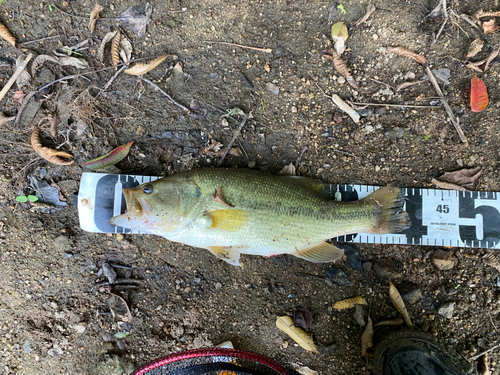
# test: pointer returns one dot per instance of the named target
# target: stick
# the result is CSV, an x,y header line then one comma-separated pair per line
x,y
445,15
16,74
393,105
266,50
31,41
482,353
235,135
453,119
164,93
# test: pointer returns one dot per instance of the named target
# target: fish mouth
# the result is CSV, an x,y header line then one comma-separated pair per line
x,y
137,212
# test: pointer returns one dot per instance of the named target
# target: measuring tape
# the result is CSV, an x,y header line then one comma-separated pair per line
x,y
438,217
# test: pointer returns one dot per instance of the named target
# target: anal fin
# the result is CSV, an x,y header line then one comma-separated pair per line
x,y
228,254
320,253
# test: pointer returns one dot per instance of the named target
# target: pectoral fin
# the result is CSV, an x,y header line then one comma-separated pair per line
x,y
320,253
228,254
229,219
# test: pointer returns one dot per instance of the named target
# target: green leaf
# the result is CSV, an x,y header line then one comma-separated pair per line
x,y
426,137
32,198
121,335
22,198
341,8
340,29
50,7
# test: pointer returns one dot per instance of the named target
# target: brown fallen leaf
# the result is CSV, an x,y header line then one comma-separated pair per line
x,y
483,366
480,14
102,46
399,304
483,65
465,178
18,97
125,50
489,26
407,53
115,50
301,337
39,61
51,155
5,119
218,197
302,318
492,260
94,15
447,185
140,69
390,322
349,303
370,9
5,34
367,339
339,65
475,47
404,85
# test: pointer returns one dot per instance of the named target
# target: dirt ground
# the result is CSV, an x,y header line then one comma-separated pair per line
x,y
55,317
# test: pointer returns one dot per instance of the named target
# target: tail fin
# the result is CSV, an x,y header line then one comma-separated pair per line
x,y
388,206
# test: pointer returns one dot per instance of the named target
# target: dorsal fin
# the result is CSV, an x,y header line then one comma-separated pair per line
x,y
320,253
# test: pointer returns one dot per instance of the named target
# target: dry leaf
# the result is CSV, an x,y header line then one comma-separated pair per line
x,y
302,318
125,50
349,303
94,15
49,154
339,44
483,65
52,117
115,50
404,85
105,40
370,9
140,69
475,47
219,198
303,370
340,66
367,338
4,119
399,304
40,60
18,97
73,61
489,26
407,53
483,366
465,178
390,322
5,34
478,95
492,260
287,170
480,14
210,149
340,29
301,337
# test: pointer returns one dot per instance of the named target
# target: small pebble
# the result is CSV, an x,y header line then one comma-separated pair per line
x,y
341,80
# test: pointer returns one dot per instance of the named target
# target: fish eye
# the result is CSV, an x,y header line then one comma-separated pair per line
x,y
148,189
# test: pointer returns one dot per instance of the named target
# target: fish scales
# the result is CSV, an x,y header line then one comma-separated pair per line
x,y
234,211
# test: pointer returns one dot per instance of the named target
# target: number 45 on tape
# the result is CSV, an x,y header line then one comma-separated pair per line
x,y
438,217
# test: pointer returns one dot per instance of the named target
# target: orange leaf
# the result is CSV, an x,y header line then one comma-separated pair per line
x,y
489,26
478,95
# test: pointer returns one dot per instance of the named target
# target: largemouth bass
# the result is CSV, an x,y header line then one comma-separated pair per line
x,y
236,211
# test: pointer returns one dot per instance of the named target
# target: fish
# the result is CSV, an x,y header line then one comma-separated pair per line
x,y
240,211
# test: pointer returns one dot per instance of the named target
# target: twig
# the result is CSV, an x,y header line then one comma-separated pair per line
x,y
266,50
164,93
16,74
453,119
235,135
300,157
106,86
484,352
392,105
445,15
382,83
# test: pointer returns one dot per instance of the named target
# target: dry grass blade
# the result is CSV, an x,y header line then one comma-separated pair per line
x,y
4,119
40,60
349,303
390,322
399,304
340,66
475,47
140,69
407,53
370,9
115,50
301,337
94,15
5,34
51,155
102,46
367,338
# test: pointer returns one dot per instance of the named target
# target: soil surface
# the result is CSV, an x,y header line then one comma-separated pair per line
x,y
57,315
